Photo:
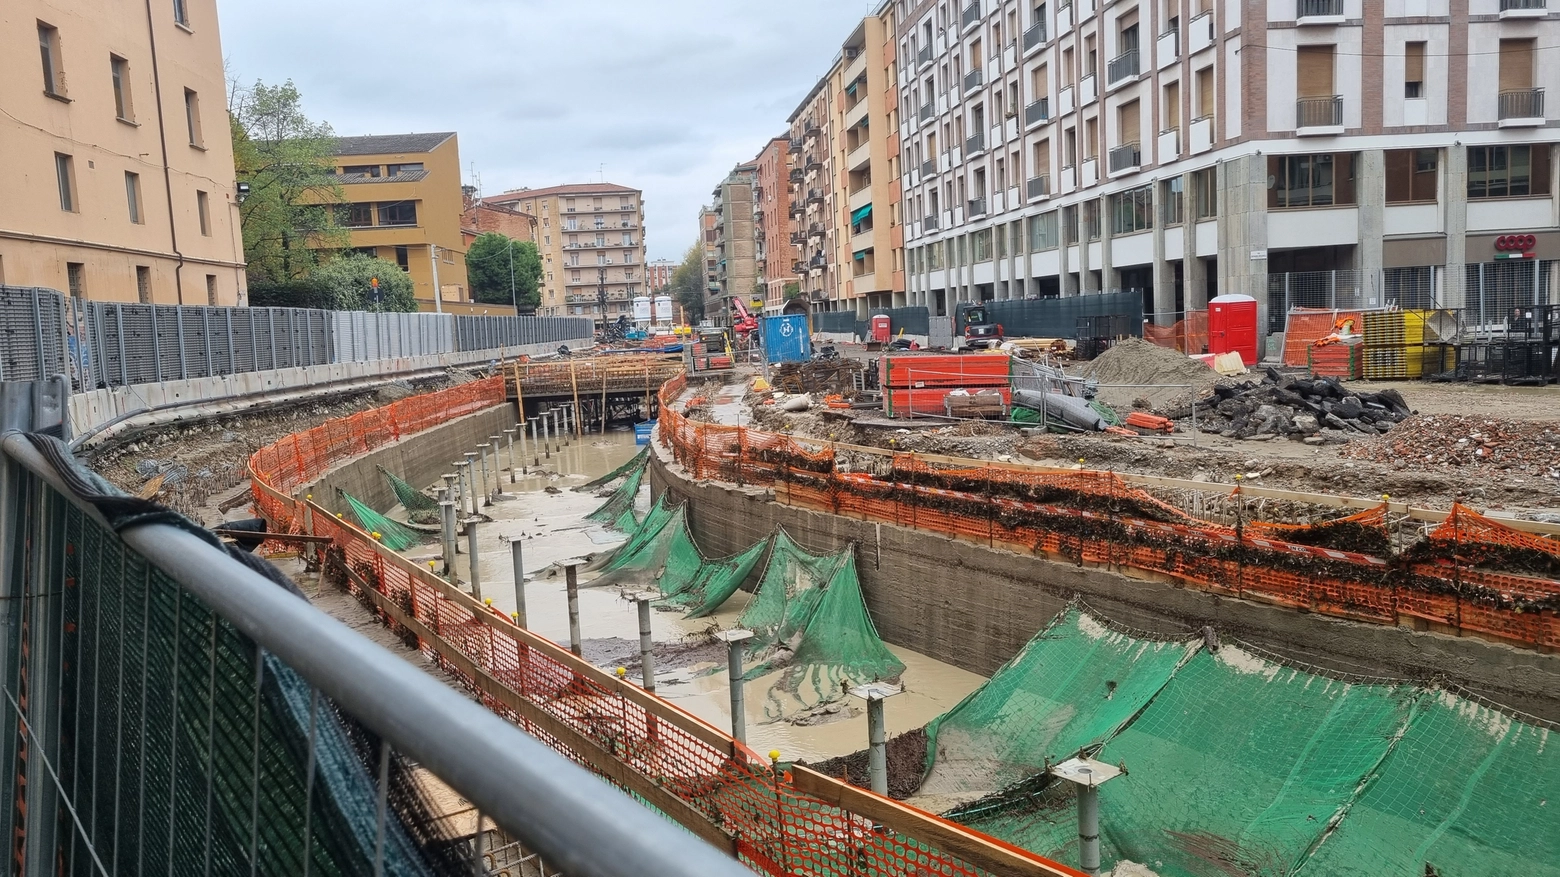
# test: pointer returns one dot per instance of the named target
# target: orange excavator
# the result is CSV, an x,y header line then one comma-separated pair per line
x,y
1344,326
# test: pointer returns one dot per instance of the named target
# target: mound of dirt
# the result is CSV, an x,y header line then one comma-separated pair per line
x,y
906,760
1135,363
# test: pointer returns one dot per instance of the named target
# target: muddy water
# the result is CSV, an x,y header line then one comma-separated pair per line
x,y
552,528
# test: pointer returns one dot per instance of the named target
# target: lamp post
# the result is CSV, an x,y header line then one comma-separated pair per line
x,y
601,299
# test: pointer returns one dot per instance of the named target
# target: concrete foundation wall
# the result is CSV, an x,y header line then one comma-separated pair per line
x,y
419,460
975,607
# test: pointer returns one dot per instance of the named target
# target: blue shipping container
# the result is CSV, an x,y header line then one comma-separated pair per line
x,y
642,432
785,338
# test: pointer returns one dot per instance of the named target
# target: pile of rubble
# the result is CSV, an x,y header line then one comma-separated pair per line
x,y
1442,442
1321,411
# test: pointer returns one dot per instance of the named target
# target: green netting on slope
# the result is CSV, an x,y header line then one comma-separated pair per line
x,y
712,584
618,511
638,535
1236,766
668,552
787,591
391,534
637,464
420,508
1467,790
1071,686
835,648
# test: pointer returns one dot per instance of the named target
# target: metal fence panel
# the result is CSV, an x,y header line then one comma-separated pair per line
x,y
910,320
33,338
1058,317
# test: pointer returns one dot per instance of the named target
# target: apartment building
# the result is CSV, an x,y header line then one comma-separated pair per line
x,y
736,243
708,221
814,206
403,204
1305,152
592,245
479,218
773,229
658,274
119,181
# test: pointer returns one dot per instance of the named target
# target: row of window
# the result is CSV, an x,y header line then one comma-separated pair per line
x,y
70,200
53,68
76,282
375,171
364,214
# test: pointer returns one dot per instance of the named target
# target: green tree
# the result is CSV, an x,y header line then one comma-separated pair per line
x,y
288,161
499,267
688,283
349,280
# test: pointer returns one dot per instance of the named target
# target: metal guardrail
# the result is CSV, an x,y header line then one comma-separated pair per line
x,y
971,14
1318,8
1522,5
1522,103
975,143
133,641
1319,112
1123,66
1040,186
1127,155
1034,36
974,78
1039,111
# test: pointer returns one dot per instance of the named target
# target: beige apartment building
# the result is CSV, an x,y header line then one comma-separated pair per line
x,y
118,181
814,204
591,237
736,244
404,205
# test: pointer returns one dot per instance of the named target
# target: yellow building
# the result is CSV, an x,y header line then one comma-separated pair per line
x,y
118,182
404,205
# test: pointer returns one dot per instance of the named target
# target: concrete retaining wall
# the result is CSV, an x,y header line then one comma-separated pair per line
x,y
975,607
419,459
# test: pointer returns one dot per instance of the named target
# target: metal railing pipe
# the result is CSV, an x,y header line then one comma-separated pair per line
x,y
575,821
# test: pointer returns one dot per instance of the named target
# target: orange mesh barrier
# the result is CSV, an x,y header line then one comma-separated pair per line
x,y
1188,336
775,821
1305,326
1473,574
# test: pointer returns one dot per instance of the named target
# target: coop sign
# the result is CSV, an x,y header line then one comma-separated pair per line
x,y
1509,243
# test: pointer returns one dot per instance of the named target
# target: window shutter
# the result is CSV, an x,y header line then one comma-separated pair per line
x,y
1414,62
1516,65
1205,103
1172,113
1315,69
1129,122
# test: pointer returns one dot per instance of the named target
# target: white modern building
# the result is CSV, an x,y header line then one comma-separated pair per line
x,y
1305,152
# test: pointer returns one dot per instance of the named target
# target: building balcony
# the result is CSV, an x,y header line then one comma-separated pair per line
x,y
1523,8
923,57
813,164
1169,146
1319,12
1168,47
1034,36
971,14
975,144
927,110
1037,112
1319,115
796,174
931,222
815,196
796,209
817,263
977,207
1122,67
1520,107
794,146
1199,34
797,238
974,79
815,230
1127,156
928,168
1201,135
1040,187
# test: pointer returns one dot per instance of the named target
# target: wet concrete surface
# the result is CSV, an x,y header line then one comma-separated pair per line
x,y
548,518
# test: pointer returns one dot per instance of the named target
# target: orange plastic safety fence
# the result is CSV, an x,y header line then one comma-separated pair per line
x,y
1188,336
1305,326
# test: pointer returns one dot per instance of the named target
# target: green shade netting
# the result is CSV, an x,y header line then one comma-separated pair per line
x,y
702,592
420,507
637,464
391,534
618,511
1468,790
1071,686
660,546
786,594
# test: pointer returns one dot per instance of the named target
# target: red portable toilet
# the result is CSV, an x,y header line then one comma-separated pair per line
x,y
880,328
1232,326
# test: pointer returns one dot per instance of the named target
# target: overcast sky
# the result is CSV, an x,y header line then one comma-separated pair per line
x,y
662,95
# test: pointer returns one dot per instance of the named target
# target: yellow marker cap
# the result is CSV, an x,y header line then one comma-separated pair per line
x,y
774,755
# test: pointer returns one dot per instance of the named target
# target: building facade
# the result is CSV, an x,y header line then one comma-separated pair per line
x,y
1304,152
775,251
658,274
480,218
119,181
814,205
592,245
404,204
736,244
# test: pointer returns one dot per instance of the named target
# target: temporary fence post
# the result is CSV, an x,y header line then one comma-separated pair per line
x,y
734,640
571,586
646,642
482,456
516,553
447,532
471,551
511,435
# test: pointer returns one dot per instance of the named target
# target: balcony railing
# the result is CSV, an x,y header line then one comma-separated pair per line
x,y
1318,9
795,145
1038,111
1040,187
1123,66
928,167
1522,5
1126,156
977,207
973,79
796,174
930,222
975,143
1522,103
814,194
923,57
1034,36
971,14
1319,112
817,262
